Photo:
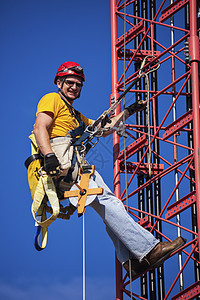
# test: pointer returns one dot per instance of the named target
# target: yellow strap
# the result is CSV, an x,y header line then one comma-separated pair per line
x,y
43,229
45,185
34,146
44,238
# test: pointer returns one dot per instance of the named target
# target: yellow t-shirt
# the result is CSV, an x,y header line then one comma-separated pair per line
x,y
63,120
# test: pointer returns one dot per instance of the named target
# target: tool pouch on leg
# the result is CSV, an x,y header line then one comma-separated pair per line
x,y
63,149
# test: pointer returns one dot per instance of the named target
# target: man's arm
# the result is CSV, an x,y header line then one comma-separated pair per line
x,y
42,123
128,111
115,121
51,163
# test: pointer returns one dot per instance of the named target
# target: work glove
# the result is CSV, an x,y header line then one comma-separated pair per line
x,y
105,120
52,165
135,107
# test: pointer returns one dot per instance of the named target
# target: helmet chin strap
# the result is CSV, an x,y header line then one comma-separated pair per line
x,y
63,94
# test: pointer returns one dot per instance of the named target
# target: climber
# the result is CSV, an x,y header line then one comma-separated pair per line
x,y
56,119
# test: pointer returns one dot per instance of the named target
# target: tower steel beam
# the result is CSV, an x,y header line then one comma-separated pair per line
x,y
114,96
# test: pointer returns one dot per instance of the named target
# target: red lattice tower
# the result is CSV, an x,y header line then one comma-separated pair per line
x,y
163,194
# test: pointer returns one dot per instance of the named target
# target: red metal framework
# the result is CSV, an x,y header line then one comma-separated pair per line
x,y
163,194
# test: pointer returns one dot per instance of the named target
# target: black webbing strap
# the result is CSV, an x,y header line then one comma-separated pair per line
x,y
32,158
81,128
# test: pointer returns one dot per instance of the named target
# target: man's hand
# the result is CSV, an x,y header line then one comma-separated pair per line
x,y
123,115
52,165
136,107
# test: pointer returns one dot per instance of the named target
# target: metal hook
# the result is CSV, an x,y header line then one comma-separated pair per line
x,y
151,70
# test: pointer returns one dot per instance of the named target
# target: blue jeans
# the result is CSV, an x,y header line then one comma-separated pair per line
x,y
129,238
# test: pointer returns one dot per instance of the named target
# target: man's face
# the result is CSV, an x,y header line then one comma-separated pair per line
x,y
71,87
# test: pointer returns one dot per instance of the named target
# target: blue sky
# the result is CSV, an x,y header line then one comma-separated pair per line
x,y
36,37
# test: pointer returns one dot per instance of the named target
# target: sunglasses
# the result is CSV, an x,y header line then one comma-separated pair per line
x,y
70,83
77,69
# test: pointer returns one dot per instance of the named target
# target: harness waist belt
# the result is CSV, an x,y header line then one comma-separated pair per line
x,y
32,158
57,139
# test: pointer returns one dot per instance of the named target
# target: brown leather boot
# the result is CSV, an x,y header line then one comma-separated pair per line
x,y
137,268
154,258
162,251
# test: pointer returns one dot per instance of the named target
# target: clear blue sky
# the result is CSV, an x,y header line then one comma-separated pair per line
x,y
36,37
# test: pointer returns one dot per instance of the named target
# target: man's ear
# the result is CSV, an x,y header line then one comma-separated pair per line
x,y
59,83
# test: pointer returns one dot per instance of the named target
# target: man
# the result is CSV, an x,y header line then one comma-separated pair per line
x,y
57,117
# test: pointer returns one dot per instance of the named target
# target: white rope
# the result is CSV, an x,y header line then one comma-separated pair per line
x,y
143,73
83,256
148,124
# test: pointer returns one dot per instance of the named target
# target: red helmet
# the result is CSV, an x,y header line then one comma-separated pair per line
x,y
69,68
